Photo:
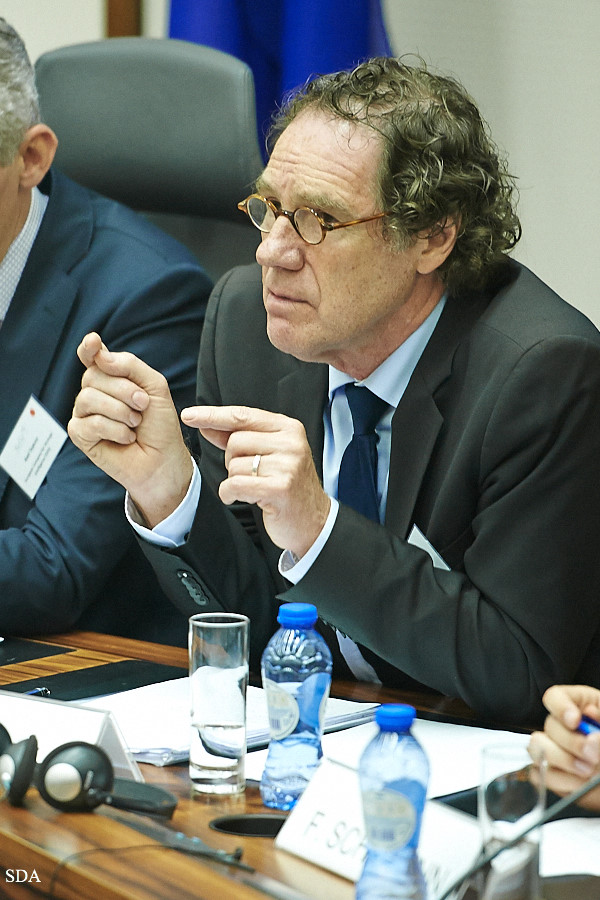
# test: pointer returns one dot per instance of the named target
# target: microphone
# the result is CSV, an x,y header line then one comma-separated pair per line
x,y
552,811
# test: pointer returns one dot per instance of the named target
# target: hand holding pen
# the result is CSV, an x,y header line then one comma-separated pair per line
x,y
570,740
588,725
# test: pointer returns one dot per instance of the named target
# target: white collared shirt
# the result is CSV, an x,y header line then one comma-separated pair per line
x,y
11,267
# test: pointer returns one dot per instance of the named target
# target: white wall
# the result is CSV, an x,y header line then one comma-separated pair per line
x,y
155,17
46,24
531,65
533,68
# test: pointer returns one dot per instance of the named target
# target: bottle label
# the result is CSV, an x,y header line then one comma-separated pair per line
x,y
284,712
313,694
323,703
390,819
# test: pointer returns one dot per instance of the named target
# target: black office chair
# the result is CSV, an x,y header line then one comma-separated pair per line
x,y
167,127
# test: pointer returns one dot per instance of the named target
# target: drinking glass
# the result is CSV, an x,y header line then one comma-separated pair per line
x,y
218,658
511,797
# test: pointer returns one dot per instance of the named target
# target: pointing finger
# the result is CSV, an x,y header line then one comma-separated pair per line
x,y
232,418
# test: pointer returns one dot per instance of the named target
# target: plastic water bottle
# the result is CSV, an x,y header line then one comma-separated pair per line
x,y
393,775
296,675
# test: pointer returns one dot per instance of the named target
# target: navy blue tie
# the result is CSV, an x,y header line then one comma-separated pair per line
x,y
357,483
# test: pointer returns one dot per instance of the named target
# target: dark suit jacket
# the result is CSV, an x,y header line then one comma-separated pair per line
x,y
495,457
68,558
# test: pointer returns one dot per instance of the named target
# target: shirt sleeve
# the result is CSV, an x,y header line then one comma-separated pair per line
x,y
292,568
172,531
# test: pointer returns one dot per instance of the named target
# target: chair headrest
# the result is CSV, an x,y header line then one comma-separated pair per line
x,y
159,124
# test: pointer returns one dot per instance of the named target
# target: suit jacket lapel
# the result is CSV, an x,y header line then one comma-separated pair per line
x,y
415,427
298,397
31,332
417,420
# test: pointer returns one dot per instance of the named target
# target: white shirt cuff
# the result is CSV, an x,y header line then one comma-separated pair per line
x,y
172,531
292,568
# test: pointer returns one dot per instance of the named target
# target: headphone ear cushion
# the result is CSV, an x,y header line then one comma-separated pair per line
x,y
5,740
17,765
75,777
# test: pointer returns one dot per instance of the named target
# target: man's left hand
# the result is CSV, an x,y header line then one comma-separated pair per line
x,y
269,462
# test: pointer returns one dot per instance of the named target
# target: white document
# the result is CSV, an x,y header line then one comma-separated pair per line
x,y
454,752
570,847
32,446
155,719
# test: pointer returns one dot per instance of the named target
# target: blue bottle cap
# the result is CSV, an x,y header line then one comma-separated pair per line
x,y
297,615
395,716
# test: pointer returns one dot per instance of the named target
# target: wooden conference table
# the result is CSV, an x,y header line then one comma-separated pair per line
x,y
83,856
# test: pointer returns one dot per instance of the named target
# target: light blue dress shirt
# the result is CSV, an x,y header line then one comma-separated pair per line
x,y
388,381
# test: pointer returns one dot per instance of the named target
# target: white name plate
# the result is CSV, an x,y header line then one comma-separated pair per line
x,y
54,722
326,827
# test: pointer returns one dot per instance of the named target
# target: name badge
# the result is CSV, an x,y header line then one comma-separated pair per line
x,y
32,446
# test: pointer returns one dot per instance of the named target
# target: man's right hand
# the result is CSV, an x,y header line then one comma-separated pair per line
x,y
572,757
124,420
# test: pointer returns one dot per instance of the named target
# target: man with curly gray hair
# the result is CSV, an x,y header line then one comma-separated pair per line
x,y
438,161
399,423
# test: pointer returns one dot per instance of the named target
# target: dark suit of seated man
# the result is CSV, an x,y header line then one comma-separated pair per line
x,y
386,218
71,261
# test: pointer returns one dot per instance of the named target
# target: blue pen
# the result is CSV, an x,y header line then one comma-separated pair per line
x,y
588,725
42,692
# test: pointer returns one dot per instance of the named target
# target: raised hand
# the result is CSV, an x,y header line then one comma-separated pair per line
x,y
124,420
269,462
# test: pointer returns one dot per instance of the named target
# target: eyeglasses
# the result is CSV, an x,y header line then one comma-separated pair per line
x,y
311,226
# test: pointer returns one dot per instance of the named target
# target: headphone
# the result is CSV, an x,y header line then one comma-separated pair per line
x,y
75,777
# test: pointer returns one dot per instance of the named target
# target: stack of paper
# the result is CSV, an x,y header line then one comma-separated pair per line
x,y
155,719
454,752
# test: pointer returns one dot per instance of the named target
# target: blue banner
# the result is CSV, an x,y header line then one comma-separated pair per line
x,y
284,42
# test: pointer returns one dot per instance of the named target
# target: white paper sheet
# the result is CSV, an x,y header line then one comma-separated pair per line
x,y
454,752
155,719
570,847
